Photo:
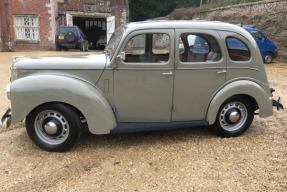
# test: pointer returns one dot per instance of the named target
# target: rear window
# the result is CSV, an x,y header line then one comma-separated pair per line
x,y
237,50
65,30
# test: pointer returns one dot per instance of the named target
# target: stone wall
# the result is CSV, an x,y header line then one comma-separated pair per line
x,y
268,16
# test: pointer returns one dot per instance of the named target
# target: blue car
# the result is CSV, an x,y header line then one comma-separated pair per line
x,y
200,46
268,50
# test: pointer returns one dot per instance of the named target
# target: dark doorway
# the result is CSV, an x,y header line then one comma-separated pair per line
x,y
94,28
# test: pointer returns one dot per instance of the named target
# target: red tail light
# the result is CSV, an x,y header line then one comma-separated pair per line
x,y
56,38
180,41
205,44
79,39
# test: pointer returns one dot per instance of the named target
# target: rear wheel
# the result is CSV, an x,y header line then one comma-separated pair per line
x,y
58,48
82,47
267,57
54,127
234,117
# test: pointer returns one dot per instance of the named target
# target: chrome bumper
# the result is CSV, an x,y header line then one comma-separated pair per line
x,y
6,119
276,103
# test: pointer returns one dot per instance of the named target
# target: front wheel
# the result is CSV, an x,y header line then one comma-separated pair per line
x,y
54,127
234,117
267,57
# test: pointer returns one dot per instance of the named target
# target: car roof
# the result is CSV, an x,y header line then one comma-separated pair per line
x,y
201,24
250,28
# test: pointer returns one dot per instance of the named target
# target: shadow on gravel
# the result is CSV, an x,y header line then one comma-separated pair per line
x,y
126,140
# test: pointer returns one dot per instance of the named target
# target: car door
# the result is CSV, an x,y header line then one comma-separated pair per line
x,y
199,73
261,41
143,78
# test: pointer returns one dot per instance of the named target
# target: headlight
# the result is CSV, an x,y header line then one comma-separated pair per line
x,y
14,74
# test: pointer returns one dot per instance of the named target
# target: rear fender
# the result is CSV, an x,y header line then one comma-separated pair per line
x,y
241,87
29,92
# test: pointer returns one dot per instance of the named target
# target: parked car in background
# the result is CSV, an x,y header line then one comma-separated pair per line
x,y
143,82
71,37
268,49
101,42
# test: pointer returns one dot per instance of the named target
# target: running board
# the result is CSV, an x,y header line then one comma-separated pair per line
x,y
142,127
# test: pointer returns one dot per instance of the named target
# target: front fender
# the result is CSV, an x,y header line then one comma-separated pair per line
x,y
29,92
241,87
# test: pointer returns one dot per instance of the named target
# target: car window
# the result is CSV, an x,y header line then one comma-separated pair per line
x,y
136,45
198,48
237,50
160,44
148,48
65,30
257,35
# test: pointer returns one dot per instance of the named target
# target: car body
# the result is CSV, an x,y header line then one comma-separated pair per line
x,y
71,37
101,42
268,49
200,45
143,82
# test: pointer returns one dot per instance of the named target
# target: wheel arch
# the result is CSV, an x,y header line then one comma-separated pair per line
x,y
252,91
31,92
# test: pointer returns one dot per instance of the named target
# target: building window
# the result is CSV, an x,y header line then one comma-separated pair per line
x,y
27,28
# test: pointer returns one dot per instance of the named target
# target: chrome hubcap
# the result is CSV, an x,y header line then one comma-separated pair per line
x,y
233,116
51,127
268,58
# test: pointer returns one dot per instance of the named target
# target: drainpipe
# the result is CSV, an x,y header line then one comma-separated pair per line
x,y
8,26
128,10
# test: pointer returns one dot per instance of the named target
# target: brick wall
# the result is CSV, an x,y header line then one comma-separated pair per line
x,y
29,7
48,20
116,8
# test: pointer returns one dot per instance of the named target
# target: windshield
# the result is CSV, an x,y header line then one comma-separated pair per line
x,y
114,42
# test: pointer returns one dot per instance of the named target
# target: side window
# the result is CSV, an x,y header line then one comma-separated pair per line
x,y
198,48
136,46
160,44
257,35
237,50
148,48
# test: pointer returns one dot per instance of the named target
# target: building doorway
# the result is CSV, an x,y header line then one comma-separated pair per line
x,y
95,29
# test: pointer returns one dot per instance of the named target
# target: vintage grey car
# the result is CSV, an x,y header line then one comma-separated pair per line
x,y
145,80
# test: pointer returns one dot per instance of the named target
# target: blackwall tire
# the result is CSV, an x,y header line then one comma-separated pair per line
x,y
58,48
234,117
268,58
82,47
54,127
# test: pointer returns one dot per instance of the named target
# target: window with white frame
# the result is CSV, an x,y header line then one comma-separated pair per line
x,y
27,28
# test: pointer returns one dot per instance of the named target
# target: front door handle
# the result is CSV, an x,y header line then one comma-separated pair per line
x,y
168,74
222,71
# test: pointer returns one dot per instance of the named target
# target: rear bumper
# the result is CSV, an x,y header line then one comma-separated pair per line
x,y
276,103
69,45
6,119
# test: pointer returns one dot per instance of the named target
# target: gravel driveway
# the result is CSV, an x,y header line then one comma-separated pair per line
x,y
179,160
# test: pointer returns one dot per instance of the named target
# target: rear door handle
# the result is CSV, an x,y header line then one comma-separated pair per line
x,y
168,74
222,71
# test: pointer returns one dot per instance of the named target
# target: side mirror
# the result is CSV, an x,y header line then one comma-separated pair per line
x,y
122,56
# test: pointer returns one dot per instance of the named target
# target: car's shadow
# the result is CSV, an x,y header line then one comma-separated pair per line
x,y
126,140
